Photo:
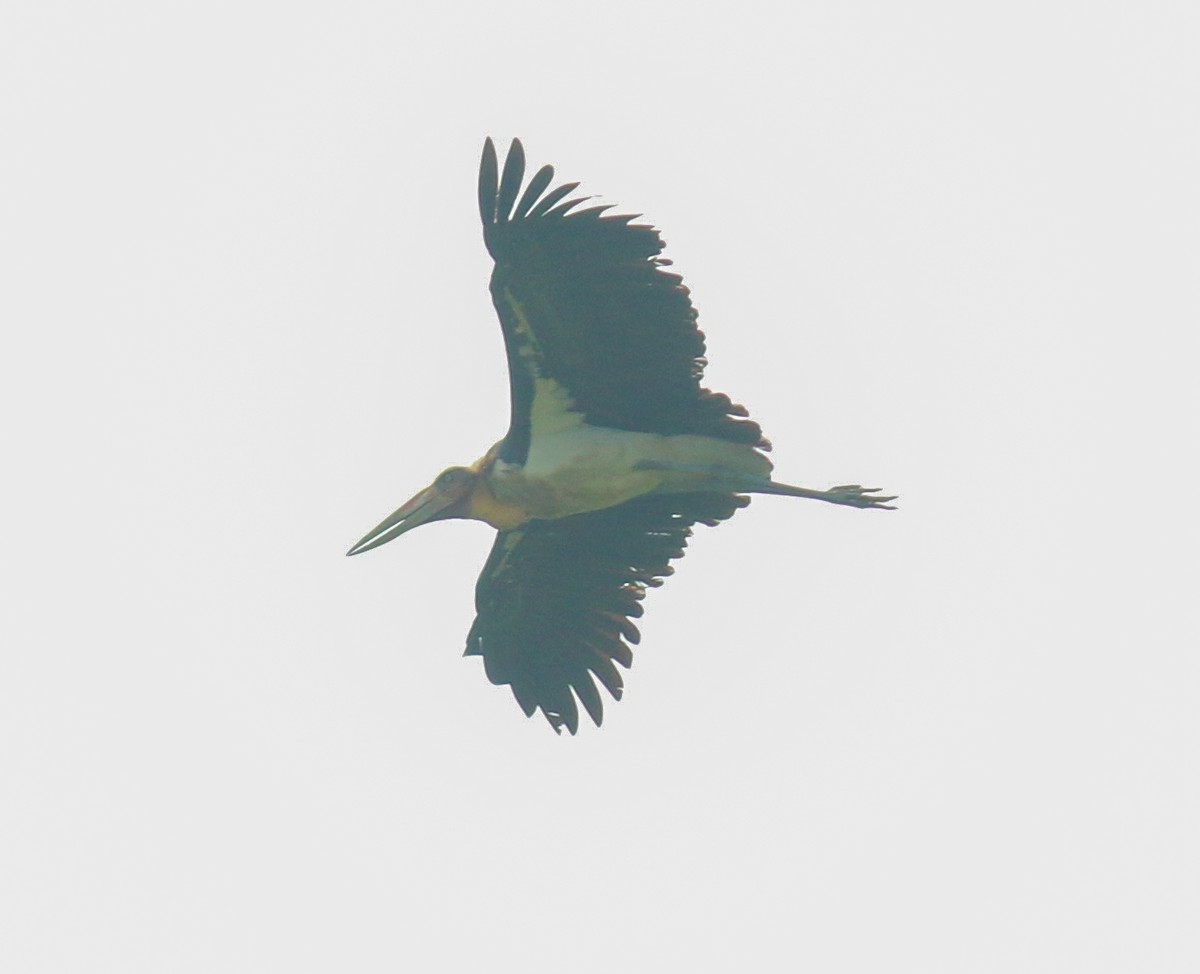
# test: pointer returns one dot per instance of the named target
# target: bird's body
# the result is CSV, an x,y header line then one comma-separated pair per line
x,y
587,468
613,451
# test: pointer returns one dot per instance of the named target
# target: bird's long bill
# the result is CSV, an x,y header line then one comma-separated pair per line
x,y
428,505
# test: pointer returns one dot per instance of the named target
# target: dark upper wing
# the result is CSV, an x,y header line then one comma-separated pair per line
x,y
584,301
556,598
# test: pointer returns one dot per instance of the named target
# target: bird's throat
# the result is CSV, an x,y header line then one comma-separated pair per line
x,y
485,506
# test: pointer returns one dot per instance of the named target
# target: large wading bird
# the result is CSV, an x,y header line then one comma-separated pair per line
x,y
613,451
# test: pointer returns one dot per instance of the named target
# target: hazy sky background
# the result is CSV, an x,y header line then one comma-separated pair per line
x,y
949,249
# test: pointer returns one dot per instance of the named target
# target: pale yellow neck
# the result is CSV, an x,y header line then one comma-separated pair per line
x,y
482,505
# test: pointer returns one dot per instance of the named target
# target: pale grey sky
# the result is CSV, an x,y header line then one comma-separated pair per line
x,y
948,249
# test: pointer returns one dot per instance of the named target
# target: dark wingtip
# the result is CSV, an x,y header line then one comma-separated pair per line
x,y
488,182
551,198
510,181
560,721
536,187
589,696
564,208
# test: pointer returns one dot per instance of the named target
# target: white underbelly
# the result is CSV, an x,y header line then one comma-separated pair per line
x,y
588,468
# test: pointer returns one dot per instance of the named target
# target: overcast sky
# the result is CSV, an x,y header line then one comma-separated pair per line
x,y
946,249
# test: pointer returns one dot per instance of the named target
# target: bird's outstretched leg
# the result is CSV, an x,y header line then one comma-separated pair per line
x,y
852,495
705,477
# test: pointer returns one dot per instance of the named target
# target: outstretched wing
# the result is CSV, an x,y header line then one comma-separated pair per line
x,y
556,598
591,320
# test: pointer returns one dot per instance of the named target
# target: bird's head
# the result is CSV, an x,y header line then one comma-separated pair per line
x,y
449,496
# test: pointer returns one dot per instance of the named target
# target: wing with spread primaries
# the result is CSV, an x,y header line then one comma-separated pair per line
x,y
556,599
585,303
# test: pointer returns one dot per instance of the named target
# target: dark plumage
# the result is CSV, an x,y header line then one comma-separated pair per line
x,y
613,327
555,598
613,452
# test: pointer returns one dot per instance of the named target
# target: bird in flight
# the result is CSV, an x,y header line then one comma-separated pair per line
x,y
614,449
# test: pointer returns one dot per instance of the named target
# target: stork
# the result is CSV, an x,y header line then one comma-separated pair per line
x,y
614,450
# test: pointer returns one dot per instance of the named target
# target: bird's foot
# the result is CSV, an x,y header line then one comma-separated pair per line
x,y
855,495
